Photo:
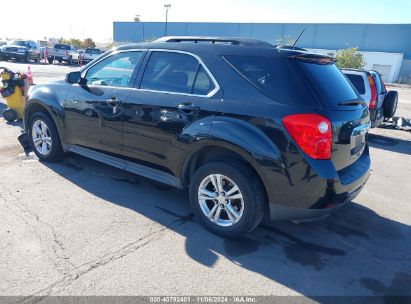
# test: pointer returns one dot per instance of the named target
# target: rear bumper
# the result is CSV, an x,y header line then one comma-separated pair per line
x,y
325,195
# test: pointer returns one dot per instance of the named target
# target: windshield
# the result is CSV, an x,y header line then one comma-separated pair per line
x,y
18,42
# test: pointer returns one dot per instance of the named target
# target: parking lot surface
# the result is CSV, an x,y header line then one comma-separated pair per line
x,y
78,227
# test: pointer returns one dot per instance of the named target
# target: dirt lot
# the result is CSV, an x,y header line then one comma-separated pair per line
x,y
81,228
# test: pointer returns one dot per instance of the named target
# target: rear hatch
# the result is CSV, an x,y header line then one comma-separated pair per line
x,y
347,112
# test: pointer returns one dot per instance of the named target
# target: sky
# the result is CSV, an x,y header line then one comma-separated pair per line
x,y
93,18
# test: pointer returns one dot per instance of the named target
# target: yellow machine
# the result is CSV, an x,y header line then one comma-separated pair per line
x,y
13,90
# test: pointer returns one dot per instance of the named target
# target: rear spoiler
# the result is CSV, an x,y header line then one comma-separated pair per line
x,y
304,55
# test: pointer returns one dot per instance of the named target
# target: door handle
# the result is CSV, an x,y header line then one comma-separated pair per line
x,y
188,107
112,101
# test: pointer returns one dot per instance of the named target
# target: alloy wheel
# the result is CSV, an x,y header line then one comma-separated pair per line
x,y
220,200
41,137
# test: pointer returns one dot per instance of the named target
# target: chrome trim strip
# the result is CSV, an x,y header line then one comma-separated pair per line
x,y
141,170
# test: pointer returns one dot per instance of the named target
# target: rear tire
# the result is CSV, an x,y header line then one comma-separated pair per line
x,y
10,115
233,213
390,104
44,138
50,60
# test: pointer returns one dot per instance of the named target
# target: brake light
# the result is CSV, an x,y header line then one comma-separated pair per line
x,y
311,132
373,98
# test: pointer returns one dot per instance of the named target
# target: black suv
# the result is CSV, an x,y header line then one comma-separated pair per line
x,y
24,50
252,130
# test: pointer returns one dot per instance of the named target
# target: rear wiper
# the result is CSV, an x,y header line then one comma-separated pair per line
x,y
354,102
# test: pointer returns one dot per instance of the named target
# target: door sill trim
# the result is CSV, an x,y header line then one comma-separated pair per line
x,y
131,167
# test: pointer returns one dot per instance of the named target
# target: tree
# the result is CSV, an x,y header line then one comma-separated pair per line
x,y
136,18
88,43
350,58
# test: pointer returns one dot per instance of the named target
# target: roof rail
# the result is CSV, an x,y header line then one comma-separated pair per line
x,y
215,40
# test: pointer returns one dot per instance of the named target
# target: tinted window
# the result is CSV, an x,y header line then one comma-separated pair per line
x,y
170,72
203,84
330,82
115,70
357,81
276,77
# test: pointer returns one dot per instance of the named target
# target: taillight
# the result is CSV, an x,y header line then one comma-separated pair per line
x,y
373,98
311,132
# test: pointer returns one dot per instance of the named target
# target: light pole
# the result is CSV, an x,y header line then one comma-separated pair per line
x,y
167,7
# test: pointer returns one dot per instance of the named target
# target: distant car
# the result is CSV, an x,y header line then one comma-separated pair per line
x,y
90,55
62,52
369,84
24,50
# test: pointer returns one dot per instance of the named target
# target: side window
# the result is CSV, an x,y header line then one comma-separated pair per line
x,y
115,70
170,72
203,84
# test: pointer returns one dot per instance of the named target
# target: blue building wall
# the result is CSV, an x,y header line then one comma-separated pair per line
x,y
394,38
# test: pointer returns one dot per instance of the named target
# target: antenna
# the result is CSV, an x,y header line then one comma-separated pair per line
x,y
298,38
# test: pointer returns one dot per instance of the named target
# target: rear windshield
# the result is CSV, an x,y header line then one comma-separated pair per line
x,y
277,77
330,82
357,81
62,47
93,51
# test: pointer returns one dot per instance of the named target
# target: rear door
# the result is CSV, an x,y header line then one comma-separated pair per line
x,y
175,92
93,111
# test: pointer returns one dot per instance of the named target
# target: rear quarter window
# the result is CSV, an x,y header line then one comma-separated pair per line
x,y
276,77
357,81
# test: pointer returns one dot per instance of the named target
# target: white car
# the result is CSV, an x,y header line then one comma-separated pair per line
x,y
90,54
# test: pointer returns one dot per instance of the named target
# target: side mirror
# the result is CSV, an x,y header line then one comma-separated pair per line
x,y
73,77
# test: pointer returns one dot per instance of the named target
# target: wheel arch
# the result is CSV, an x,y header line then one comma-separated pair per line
x,y
35,105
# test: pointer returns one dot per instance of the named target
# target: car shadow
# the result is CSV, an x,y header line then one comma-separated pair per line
x,y
389,143
353,252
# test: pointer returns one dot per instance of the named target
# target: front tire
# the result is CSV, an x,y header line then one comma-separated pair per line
x,y
44,138
228,198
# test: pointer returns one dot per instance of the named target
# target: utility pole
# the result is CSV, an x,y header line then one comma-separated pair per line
x,y
167,7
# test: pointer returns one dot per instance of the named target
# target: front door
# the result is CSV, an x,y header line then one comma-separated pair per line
x,y
93,111
175,94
